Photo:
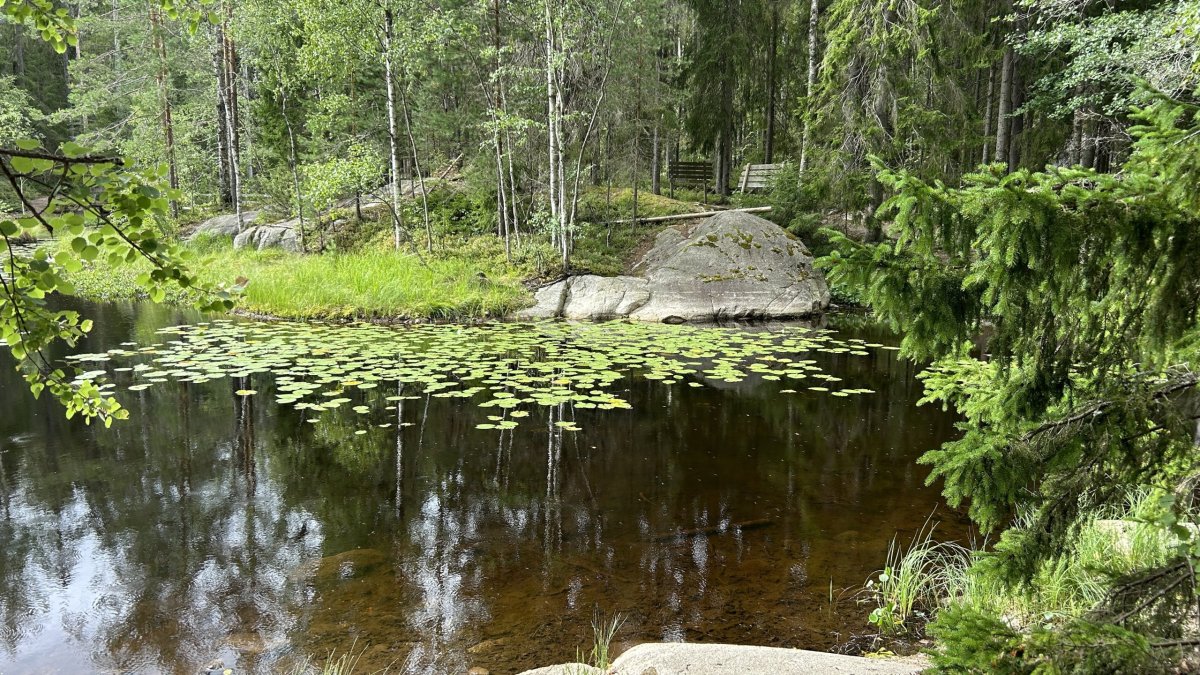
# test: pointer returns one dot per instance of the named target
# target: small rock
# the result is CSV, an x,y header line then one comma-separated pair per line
x,y
226,225
284,235
476,670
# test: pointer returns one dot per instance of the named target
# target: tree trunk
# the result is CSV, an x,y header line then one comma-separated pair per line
x,y
248,165
502,221
550,122
655,169
230,96
987,114
164,96
561,180
810,82
224,189
725,136
1018,124
1003,123
412,140
772,49
393,142
637,141
874,226
1088,144
512,176
294,164
18,54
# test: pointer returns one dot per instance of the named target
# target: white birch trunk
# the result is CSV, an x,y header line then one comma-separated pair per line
x,y
393,144
810,83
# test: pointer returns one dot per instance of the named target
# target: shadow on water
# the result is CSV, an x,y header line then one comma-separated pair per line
x,y
211,525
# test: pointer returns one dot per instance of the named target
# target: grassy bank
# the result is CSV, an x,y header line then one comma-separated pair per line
x,y
360,276
368,284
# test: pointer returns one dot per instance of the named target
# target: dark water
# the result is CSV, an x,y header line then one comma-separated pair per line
x,y
214,526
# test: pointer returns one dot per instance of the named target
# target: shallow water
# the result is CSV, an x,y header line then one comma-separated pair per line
x,y
212,525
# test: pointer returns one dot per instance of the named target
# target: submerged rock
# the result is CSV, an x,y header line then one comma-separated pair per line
x,y
729,266
226,225
284,235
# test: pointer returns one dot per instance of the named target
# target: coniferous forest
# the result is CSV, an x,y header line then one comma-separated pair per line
x,y
1011,187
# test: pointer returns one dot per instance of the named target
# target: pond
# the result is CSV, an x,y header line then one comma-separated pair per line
x,y
437,498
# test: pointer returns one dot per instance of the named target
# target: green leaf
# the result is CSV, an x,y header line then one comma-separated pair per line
x,y
23,165
72,149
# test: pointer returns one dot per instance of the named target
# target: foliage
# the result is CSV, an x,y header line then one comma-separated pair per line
x,y
18,116
976,641
106,213
1084,286
984,623
1104,54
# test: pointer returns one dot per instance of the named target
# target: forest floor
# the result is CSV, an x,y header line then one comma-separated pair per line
x,y
361,276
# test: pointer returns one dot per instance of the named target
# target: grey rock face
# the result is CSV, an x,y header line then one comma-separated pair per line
x,y
282,235
729,266
224,225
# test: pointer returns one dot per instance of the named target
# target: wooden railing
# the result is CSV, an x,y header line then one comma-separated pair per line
x,y
758,176
690,172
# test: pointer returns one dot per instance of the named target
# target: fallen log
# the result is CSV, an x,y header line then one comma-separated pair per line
x,y
715,529
687,216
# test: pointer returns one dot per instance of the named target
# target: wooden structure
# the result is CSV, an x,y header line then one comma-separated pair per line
x,y
690,172
758,176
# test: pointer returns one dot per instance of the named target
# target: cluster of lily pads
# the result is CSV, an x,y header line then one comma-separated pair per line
x,y
510,367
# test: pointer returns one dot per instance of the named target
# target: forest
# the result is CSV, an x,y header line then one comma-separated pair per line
x,y
1011,186
296,105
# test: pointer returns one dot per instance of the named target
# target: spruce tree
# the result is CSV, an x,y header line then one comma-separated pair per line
x,y
1059,309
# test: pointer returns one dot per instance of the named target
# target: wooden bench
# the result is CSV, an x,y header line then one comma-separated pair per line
x,y
758,176
690,172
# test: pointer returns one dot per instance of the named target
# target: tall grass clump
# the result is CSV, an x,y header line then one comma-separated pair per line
x,y
914,580
603,632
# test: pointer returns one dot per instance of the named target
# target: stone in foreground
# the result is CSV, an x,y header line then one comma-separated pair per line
x,y
729,266
717,659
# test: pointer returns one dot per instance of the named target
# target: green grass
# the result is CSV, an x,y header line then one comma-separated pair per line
x,y
1106,546
598,205
930,575
370,284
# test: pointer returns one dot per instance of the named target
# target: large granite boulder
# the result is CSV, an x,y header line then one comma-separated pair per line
x,y
226,225
284,235
730,266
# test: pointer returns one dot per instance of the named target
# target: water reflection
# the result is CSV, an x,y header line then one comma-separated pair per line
x,y
217,526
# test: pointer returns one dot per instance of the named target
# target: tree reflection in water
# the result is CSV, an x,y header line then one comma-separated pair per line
x,y
212,525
